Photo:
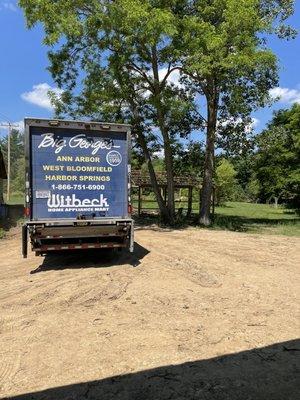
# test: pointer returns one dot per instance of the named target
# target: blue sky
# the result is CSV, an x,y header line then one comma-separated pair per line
x,y
24,79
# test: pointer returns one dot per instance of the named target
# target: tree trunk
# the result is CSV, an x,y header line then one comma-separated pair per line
x,y
166,139
143,143
169,169
1,191
164,212
207,185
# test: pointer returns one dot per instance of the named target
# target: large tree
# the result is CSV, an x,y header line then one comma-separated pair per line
x,y
278,158
225,55
124,51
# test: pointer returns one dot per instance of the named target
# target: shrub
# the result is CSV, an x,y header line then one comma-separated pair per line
x,y
226,183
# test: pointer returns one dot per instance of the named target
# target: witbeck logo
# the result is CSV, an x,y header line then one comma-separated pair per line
x,y
60,201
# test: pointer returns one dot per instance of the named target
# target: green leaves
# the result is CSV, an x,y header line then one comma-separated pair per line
x,y
17,159
114,60
225,181
59,18
216,39
278,156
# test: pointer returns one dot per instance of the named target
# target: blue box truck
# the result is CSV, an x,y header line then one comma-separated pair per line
x,y
77,186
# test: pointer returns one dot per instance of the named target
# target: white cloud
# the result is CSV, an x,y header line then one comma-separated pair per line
x,y
19,125
236,121
285,95
255,122
8,5
172,78
159,154
39,95
16,125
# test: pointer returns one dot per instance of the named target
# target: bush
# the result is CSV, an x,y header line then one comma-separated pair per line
x,y
252,190
226,184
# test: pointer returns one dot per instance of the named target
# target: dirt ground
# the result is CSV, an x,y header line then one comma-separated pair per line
x,y
193,314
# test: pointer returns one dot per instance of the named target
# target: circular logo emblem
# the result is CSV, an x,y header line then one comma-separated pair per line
x,y
114,158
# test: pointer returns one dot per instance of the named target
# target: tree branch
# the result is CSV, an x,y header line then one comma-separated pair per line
x,y
170,70
133,66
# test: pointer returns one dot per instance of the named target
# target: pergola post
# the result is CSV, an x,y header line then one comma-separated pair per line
x,y
213,202
139,200
200,189
165,193
190,201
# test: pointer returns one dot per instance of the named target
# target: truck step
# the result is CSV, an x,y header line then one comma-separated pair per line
x,y
58,247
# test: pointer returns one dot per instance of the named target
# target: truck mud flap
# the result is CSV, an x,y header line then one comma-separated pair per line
x,y
24,240
131,241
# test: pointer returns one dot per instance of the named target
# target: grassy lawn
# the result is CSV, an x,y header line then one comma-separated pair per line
x,y
235,216
252,218
15,199
257,218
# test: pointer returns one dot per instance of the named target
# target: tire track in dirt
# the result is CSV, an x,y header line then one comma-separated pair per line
x,y
9,366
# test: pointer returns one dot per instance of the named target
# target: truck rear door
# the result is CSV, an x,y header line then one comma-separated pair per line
x,y
77,170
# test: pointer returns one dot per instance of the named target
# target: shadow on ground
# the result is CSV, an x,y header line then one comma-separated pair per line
x,y
245,224
268,373
220,221
11,215
102,258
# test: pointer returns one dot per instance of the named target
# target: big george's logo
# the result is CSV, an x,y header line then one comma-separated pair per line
x,y
78,141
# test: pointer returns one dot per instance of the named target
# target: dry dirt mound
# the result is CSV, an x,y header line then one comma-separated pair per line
x,y
193,314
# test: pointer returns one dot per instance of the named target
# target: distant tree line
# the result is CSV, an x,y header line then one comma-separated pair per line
x,y
269,172
266,171
17,172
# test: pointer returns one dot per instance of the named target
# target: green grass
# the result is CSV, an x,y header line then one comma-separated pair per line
x,y
248,217
234,216
2,233
152,205
14,199
257,218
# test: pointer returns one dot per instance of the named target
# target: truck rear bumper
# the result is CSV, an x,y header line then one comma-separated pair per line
x,y
46,236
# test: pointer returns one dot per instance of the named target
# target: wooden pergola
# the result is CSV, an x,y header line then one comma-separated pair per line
x,y
141,180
